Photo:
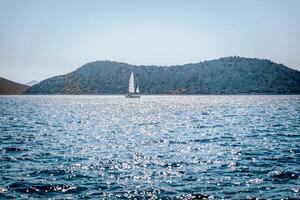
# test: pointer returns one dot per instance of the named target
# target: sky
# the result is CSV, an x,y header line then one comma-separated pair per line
x,y
41,39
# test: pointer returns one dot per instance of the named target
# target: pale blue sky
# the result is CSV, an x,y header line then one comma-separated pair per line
x,y
40,38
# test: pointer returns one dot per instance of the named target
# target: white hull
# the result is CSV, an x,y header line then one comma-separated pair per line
x,y
132,95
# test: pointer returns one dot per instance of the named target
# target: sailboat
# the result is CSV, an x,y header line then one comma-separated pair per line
x,y
133,92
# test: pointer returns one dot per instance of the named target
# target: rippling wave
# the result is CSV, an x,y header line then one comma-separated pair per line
x,y
164,147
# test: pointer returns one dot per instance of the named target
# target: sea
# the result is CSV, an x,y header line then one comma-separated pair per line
x,y
155,147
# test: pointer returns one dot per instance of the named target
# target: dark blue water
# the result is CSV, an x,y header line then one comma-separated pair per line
x,y
166,147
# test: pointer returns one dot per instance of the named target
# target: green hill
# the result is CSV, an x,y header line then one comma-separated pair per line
x,y
230,75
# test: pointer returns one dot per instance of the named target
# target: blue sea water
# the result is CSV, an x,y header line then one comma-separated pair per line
x,y
164,147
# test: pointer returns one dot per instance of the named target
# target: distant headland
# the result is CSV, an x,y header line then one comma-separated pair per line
x,y
8,87
229,75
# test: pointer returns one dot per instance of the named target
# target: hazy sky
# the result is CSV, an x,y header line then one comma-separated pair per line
x,y
40,38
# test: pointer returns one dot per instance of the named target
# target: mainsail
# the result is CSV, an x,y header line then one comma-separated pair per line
x,y
137,89
131,83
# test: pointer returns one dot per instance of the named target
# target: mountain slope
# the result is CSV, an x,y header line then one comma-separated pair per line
x,y
230,75
8,87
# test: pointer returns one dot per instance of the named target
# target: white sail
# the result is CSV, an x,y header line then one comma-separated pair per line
x,y
131,83
137,89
